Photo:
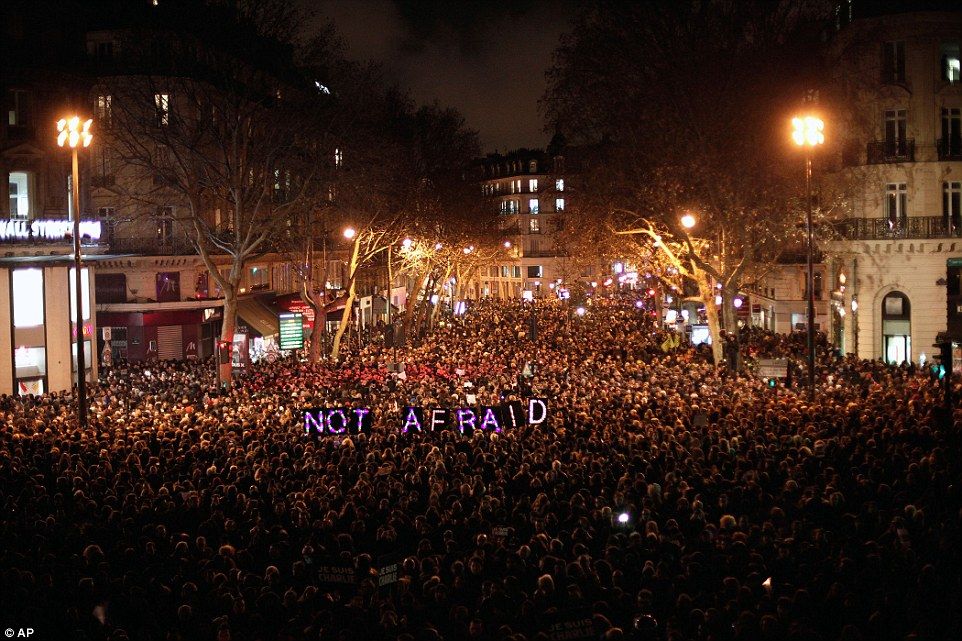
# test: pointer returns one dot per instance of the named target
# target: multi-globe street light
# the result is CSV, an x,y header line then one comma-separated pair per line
x,y
73,132
808,133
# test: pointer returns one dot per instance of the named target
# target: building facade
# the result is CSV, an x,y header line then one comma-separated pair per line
x,y
529,191
894,267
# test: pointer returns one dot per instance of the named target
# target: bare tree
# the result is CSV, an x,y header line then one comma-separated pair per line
x,y
692,103
226,146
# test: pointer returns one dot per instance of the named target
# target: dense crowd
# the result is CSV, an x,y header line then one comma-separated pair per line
x,y
663,499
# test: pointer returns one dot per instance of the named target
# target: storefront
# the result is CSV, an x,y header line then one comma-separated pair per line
x,y
38,332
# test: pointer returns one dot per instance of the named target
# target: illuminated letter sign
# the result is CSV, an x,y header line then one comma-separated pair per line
x,y
47,229
322,421
537,411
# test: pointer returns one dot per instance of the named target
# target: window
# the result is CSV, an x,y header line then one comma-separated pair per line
x,y
533,167
105,50
533,185
950,145
534,271
162,108
559,204
106,213
951,68
17,108
896,328
559,184
84,293
338,157
27,298
896,204
104,110
165,226
952,206
260,278
514,206
19,195
517,271
893,62
103,161
533,206
895,125
534,226
505,271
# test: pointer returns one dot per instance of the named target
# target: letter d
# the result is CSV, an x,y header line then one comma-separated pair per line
x,y
534,403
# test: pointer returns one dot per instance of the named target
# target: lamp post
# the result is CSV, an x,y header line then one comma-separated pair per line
x,y
808,135
73,133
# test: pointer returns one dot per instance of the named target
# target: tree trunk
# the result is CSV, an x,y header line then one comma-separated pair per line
x,y
729,317
229,324
345,321
434,308
707,294
410,312
349,303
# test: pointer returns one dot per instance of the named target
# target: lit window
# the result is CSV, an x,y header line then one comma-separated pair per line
x,y
533,206
534,271
17,110
104,110
951,67
84,293
533,185
338,157
559,184
19,195
533,166
517,271
27,297
162,108
559,204
896,204
534,226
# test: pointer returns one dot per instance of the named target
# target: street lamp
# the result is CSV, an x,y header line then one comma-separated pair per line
x,y
406,243
73,133
688,221
350,233
808,134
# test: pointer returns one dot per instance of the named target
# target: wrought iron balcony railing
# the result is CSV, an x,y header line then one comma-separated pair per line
x,y
152,246
912,227
885,151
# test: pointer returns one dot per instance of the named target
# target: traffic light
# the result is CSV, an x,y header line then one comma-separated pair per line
x,y
944,366
773,382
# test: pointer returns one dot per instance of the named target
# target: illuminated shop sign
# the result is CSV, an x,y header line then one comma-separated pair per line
x,y
47,229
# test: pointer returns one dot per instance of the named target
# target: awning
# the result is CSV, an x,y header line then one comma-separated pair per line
x,y
257,316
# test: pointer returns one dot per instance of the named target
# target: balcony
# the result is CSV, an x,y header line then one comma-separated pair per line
x,y
913,227
152,246
888,151
950,148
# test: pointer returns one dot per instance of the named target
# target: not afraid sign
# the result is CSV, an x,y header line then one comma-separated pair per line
x,y
339,421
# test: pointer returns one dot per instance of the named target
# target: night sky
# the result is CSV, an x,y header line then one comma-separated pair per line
x,y
487,59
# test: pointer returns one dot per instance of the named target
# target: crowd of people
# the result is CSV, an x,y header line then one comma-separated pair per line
x,y
664,498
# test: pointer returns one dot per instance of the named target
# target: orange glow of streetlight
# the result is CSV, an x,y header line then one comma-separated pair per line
x,y
507,244
406,243
688,221
808,131
350,233
72,132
